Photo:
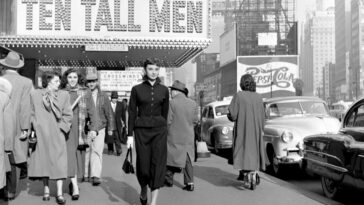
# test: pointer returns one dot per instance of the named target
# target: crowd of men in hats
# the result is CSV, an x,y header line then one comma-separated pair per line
x,y
112,122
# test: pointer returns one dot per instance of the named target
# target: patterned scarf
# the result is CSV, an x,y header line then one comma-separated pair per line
x,y
82,112
50,102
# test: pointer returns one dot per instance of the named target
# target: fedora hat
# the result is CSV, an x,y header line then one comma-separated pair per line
x,y
12,60
178,85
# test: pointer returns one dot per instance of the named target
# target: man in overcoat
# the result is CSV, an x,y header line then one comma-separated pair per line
x,y
5,91
16,133
105,119
182,116
119,113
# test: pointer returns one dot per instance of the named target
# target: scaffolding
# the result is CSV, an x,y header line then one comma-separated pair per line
x,y
264,27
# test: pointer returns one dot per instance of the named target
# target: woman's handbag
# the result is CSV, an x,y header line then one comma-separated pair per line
x,y
128,162
32,140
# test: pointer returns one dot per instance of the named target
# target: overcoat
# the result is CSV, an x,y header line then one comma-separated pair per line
x,y
19,111
182,116
49,159
4,100
247,111
120,123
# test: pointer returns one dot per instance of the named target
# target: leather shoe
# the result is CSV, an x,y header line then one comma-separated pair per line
x,y
9,196
189,187
143,201
60,199
23,173
96,181
168,184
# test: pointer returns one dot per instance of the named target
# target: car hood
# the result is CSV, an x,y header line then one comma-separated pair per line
x,y
305,125
223,121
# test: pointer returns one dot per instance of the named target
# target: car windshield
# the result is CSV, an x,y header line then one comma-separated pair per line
x,y
221,110
297,108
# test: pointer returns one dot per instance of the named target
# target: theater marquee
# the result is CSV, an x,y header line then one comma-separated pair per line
x,y
114,18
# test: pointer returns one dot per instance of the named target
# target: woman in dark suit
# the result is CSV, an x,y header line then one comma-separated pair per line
x,y
148,111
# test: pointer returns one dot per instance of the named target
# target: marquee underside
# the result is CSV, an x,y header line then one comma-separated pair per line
x,y
73,52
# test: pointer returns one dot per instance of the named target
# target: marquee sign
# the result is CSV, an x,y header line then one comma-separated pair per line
x,y
271,73
115,18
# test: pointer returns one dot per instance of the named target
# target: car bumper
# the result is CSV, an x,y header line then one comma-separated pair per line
x,y
224,145
293,156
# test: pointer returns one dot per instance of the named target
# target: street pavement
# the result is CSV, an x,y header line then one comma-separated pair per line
x,y
215,183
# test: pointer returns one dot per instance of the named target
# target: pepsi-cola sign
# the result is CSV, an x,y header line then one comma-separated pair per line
x,y
271,73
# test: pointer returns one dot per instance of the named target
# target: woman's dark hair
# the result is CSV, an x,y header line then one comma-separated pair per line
x,y
247,83
150,61
81,77
47,76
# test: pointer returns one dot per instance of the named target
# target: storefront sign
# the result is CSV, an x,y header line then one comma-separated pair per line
x,y
271,73
114,18
119,80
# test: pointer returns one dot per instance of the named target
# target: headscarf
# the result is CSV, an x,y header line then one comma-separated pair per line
x,y
50,102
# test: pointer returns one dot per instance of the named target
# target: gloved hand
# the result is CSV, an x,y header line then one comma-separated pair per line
x,y
130,142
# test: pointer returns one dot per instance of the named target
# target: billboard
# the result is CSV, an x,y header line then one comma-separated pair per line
x,y
271,73
267,39
114,19
228,46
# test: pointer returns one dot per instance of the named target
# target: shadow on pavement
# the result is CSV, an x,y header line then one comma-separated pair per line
x,y
217,176
121,190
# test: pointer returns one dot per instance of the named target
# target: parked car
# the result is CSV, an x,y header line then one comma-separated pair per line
x,y
339,109
216,129
288,121
339,158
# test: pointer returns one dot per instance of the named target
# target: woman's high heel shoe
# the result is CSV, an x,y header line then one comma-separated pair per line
x,y
143,201
46,197
75,197
60,200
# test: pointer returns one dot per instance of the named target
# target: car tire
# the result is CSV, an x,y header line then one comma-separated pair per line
x,y
274,167
329,187
213,144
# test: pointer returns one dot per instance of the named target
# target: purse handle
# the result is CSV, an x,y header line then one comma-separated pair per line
x,y
130,153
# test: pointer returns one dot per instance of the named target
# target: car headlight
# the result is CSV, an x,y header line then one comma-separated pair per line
x,y
225,130
287,136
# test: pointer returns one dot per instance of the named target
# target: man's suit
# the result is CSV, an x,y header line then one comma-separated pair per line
x,y
117,137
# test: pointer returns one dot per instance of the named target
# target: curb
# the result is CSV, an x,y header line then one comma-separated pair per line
x,y
317,197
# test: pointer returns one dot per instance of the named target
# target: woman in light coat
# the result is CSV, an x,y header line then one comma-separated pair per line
x,y
247,111
51,117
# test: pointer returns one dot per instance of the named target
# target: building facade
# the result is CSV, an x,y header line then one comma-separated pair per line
x,y
342,46
356,78
319,45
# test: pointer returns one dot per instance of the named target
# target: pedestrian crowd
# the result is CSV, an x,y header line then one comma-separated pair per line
x,y
59,131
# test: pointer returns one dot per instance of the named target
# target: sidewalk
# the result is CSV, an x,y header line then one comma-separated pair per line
x,y
215,183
